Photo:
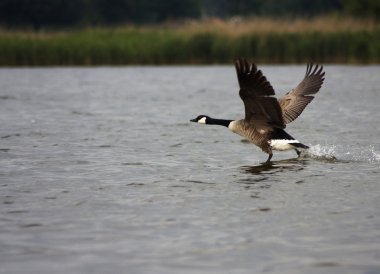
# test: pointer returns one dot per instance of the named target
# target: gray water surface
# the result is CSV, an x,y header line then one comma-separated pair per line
x,y
102,172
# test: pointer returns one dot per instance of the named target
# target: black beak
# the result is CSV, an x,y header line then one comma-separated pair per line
x,y
193,120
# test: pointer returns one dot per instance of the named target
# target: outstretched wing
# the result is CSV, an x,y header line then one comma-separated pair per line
x,y
261,108
295,101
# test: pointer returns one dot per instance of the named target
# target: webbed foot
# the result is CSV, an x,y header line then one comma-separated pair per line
x,y
270,157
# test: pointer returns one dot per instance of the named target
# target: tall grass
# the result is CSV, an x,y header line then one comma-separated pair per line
x,y
266,41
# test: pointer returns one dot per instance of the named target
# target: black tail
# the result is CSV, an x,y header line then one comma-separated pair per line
x,y
299,145
279,133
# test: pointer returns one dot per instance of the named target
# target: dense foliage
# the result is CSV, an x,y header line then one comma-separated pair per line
x,y
77,32
73,13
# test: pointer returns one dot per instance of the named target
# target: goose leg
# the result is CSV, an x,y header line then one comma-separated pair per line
x,y
298,152
270,157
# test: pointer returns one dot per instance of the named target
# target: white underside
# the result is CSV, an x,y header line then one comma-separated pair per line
x,y
282,144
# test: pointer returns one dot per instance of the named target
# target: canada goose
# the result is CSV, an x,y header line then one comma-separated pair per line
x,y
265,117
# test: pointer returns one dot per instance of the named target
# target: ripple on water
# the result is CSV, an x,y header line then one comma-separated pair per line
x,y
133,164
326,264
30,225
198,182
272,167
136,184
19,211
10,135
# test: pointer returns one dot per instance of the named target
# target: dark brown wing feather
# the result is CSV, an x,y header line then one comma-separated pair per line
x,y
261,109
295,101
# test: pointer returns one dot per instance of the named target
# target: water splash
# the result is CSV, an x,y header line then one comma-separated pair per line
x,y
321,152
343,153
368,154
375,154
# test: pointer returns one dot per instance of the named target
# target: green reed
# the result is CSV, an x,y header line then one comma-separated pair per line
x,y
169,46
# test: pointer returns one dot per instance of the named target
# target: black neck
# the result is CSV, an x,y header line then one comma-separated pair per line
x,y
221,122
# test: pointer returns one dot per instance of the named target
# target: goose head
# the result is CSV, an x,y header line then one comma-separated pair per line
x,y
201,119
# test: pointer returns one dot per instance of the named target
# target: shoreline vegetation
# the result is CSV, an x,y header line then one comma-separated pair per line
x,y
211,41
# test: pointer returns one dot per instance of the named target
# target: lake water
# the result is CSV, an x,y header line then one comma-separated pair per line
x,y
102,172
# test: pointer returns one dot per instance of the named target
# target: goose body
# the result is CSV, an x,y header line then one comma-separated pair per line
x,y
265,116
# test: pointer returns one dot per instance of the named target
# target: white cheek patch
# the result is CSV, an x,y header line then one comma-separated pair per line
x,y
202,120
282,144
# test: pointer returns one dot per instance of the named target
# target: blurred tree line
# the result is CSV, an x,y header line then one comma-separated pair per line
x,y
75,13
